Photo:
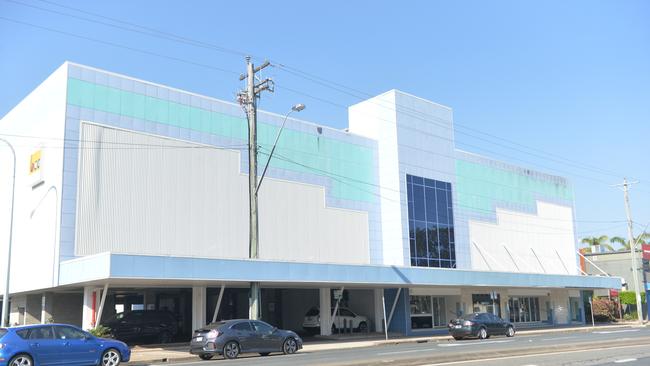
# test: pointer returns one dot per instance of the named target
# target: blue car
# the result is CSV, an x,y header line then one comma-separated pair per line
x,y
58,344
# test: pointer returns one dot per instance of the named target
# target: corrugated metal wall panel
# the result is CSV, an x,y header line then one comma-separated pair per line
x,y
142,194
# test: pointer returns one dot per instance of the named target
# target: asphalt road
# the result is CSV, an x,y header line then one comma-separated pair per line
x,y
616,347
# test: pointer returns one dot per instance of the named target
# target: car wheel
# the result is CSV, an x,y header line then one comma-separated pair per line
x,y
231,350
458,338
363,327
21,360
111,357
290,346
265,353
206,356
510,332
164,337
482,333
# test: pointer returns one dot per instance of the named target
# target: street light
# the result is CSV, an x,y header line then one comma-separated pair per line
x,y
296,108
5,297
56,227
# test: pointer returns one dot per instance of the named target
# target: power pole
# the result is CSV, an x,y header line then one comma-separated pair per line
x,y
635,269
248,100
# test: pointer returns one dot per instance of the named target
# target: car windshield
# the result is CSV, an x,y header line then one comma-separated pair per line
x,y
2,332
313,312
470,316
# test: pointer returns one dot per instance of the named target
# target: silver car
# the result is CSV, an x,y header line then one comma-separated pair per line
x,y
229,338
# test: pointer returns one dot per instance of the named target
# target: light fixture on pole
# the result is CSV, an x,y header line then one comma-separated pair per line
x,y
5,293
296,108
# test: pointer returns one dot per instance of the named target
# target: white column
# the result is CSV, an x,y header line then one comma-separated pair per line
x,y
198,307
88,305
325,311
379,310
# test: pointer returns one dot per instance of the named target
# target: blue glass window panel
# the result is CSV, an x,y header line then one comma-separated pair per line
x,y
418,203
409,178
422,262
445,264
412,245
418,180
420,239
434,263
411,229
430,202
443,234
441,185
409,192
441,199
452,251
429,182
414,263
432,240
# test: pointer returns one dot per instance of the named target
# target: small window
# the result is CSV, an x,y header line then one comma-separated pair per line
x,y
41,333
244,326
23,333
69,333
262,327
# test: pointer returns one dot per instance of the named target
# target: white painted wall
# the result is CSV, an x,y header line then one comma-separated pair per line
x,y
190,200
41,117
549,234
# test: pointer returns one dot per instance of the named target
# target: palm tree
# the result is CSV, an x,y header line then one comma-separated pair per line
x,y
643,238
595,242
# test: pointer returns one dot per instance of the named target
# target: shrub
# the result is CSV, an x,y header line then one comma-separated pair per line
x,y
629,297
631,316
100,331
604,309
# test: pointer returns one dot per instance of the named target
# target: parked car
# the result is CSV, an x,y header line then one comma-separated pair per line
x,y
480,325
343,318
58,344
231,337
143,325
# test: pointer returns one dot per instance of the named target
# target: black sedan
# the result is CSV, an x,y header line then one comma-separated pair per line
x,y
231,337
481,326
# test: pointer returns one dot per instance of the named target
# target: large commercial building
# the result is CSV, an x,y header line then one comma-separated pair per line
x,y
140,191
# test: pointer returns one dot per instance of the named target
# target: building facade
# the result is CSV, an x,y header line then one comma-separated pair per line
x,y
136,197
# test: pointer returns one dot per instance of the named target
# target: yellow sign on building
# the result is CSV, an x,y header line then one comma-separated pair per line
x,y
35,162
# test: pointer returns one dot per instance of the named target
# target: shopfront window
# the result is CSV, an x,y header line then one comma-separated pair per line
x,y
487,303
524,309
431,223
427,312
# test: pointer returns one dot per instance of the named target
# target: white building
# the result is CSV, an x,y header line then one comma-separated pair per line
x,y
141,190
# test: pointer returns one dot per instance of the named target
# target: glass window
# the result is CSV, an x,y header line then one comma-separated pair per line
x,y
41,333
430,214
261,327
346,312
68,333
243,326
420,305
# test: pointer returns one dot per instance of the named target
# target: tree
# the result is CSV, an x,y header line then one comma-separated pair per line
x,y
594,241
643,238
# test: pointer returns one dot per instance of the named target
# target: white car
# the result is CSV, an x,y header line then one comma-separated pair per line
x,y
342,320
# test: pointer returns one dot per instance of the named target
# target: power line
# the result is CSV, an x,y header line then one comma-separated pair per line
x,y
292,90
311,77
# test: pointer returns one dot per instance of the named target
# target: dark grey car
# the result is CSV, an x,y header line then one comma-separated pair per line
x,y
232,337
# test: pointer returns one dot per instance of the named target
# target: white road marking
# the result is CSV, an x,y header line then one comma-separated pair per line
x,y
625,360
530,355
400,352
555,339
459,344
616,331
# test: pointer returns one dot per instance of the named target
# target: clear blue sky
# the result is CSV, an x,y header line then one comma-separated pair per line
x,y
571,78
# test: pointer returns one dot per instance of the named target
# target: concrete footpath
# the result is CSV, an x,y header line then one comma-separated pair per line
x,y
179,351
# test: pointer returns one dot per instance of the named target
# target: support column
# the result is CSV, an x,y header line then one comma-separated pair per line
x,y
198,307
325,311
46,307
90,304
379,310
